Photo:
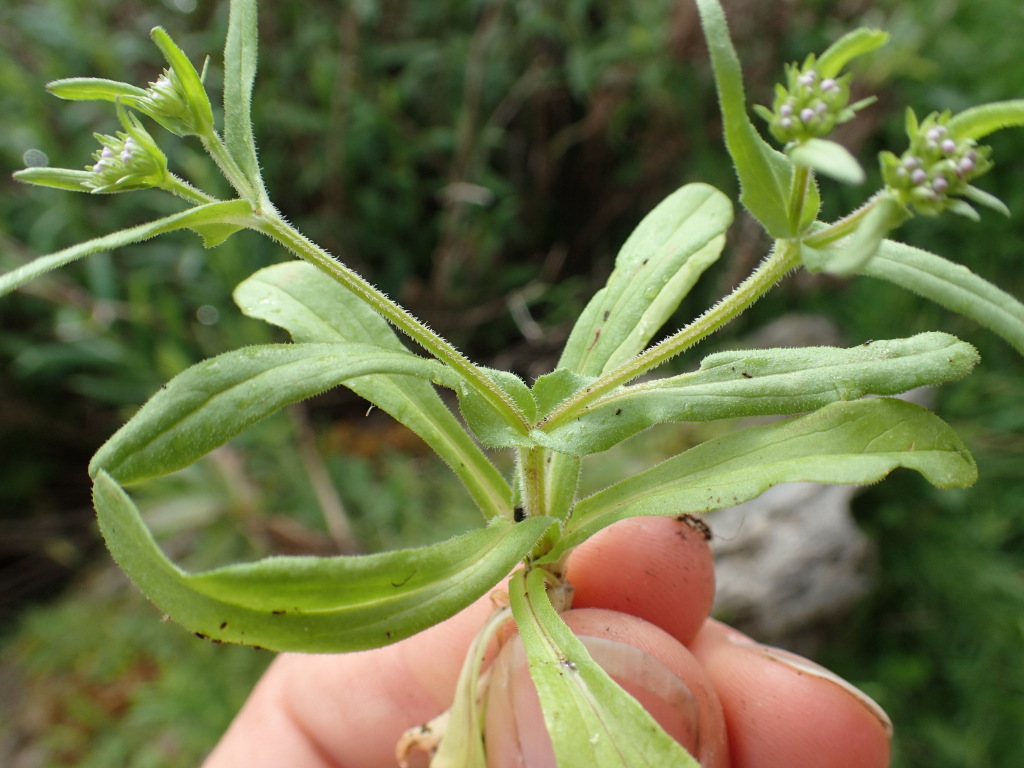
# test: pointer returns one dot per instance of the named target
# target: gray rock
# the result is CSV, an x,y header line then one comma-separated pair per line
x,y
790,563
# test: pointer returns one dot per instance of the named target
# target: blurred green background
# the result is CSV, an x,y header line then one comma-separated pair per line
x,y
482,162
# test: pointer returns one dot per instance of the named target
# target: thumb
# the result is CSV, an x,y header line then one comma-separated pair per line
x,y
654,667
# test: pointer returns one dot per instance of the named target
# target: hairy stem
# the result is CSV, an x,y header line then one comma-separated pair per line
x,y
179,187
843,227
784,258
532,472
241,183
798,196
271,224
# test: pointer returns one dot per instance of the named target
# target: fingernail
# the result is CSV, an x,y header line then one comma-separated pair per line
x,y
806,667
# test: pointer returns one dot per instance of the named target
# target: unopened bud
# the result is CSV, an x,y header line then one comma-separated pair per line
x,y
820,104
936,169
127,160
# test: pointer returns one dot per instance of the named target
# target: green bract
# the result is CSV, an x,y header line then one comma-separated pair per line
x,y
844,426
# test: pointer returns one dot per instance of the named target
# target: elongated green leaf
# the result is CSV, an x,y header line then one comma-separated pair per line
x,y
592,721
856,443
309,604
93,89
654,271
240,53
767,382
335,313
656,268
951,285
57,178
211,402
313,308
978,122
851,45
765,175
234,212
981,197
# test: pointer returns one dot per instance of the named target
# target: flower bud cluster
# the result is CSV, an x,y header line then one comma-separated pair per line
x,y
809,106
125,162
168,102
936,169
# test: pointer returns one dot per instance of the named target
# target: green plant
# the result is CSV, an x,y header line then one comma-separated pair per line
x,y
342,333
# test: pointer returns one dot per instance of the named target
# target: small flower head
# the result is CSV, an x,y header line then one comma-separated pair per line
x,y
938,167
168,102
127,160
809,106
176,99
816,96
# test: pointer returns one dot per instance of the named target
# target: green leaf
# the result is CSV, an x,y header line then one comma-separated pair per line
x,y
215,233
240,53
310,604
94,89
552,388
592,721
952,286
767,382
829,158
848,47
298,297
57,178
963,208
981,197
857,442
978,122
655,269
765,175
488,425
857,250
233,212
211,402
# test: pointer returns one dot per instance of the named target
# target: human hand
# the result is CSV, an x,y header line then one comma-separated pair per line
x,y
647,582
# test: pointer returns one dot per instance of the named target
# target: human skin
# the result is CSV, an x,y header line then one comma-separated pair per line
x,y
646,582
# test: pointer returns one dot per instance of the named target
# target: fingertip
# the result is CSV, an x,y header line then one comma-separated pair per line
x,y
782,709
659,569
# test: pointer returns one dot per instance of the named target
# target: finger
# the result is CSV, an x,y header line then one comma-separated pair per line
x,y
781,709
659,569
649,663
315,711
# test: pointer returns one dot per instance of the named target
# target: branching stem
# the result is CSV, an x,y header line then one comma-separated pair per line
x,y
842,227
783,259
270,223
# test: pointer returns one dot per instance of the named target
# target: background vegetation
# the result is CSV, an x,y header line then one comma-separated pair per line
x,y
482,161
